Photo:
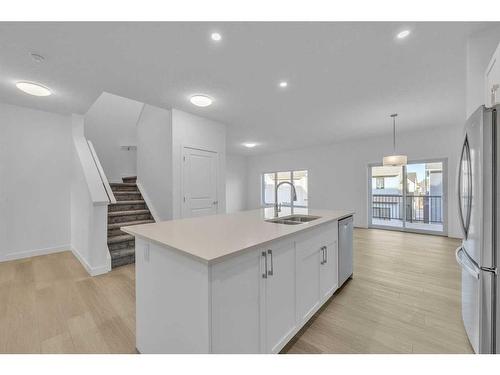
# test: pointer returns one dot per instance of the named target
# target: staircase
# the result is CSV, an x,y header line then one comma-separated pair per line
x,y
129,209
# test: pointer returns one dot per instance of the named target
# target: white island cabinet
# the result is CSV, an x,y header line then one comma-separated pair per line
x,y
317,269
232,283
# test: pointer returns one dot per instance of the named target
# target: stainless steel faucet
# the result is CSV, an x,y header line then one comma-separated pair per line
x,y
277,207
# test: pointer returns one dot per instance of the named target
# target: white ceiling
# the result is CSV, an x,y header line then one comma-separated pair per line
x,y
344,78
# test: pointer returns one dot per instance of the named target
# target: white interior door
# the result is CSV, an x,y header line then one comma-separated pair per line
x,y
199,183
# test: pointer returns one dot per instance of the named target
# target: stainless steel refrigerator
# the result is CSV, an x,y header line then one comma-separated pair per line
x,y
478,195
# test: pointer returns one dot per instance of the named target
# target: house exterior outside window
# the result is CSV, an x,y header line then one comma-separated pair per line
x,y
380,182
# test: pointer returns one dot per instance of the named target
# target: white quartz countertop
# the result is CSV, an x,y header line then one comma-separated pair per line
x,y
210,238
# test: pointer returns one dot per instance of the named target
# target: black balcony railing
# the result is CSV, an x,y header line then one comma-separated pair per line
x,y
419,208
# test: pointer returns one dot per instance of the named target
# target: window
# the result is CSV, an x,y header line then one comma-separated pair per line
x,y
272,179
410,198
380,182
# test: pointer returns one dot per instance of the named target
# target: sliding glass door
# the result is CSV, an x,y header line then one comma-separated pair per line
x,y
411,197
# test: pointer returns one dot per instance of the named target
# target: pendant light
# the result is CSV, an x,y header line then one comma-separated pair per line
x,y
394,160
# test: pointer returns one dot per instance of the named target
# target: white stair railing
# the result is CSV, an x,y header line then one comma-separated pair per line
x,y
104,179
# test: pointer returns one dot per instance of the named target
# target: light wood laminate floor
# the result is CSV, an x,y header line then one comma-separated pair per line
x,y
404,298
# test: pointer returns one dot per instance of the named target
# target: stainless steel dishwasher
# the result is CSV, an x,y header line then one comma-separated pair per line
x,y
345,249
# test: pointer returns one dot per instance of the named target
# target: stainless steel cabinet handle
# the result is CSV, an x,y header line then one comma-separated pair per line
x,y
323,254
326,254
264,275
271,271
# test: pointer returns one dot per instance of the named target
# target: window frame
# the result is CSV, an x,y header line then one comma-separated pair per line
x,y
285,204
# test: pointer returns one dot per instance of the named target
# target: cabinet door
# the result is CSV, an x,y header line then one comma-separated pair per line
x,y
308,279
492,80
329,270
280,296
237,294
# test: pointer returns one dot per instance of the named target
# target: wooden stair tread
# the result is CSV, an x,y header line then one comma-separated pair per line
x,y
122,184
121,238
128,212
130,209
137,201
129,223
122,253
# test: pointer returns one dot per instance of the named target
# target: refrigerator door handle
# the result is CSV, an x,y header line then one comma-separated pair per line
x,y
466,263
490,269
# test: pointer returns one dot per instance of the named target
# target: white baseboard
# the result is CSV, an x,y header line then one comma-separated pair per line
x,y
92,271
34,253
148,201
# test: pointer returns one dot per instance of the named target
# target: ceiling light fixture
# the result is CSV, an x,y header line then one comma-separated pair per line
x,y
201,100
403,34
250,144
283,84
394,160
216,37
33,88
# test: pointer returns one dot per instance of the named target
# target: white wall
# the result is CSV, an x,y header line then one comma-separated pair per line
x,y
236,183
154,160
110,123
35,162
480,48
193,131
338,173
89,206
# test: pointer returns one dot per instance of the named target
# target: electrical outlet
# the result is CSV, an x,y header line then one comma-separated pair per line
x,y
146,253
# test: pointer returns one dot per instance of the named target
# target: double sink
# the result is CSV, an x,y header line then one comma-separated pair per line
x,y
293,219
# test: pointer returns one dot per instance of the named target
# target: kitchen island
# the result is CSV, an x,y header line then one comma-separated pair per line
x,y
234,283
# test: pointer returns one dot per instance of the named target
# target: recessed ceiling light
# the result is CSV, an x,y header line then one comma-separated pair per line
x,y
283,84
216,37
403,34
201,100
33,88
250,144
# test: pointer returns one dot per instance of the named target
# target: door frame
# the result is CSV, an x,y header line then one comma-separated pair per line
x,y
181,198
444,233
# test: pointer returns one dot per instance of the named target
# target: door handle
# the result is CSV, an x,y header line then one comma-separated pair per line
x,y
326,254
264,275
466,263
323,254
271,271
